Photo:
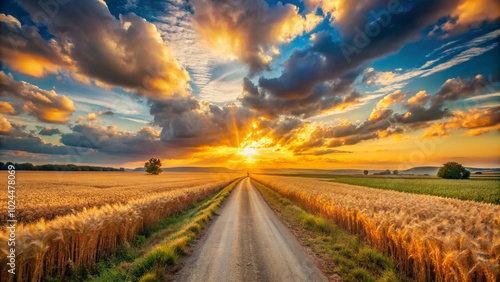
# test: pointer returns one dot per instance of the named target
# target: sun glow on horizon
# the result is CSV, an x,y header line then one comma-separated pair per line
x,y
248,152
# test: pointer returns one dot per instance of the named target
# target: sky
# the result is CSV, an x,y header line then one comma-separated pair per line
x,y
368,84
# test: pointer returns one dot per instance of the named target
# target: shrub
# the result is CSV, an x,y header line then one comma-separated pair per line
x,y
365,172
453,170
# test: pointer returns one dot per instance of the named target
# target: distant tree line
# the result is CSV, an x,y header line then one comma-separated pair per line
x,y
386,172
57,167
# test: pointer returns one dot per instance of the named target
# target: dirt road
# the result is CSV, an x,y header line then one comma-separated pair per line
x,y
248,242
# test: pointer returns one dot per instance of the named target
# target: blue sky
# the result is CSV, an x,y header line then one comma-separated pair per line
x,y
197,82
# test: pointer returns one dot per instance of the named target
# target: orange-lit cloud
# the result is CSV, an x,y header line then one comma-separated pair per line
x,y
463,14
395,97
29,64
92,117
420,99
4,124
479,121
46,106
382,107
471,14
7,108
372,77
249,31
481,131
94,48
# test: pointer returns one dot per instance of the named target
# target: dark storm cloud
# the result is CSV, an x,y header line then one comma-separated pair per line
x,y
47,131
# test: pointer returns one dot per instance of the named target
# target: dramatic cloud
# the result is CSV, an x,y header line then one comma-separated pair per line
x,y
452,90
343,134
48,131
396,23
456,88
17,139
112,141
480,121
417,115
24,50
335,94
288,110
461,53
45,105
249,31
471,14
91,44
363,41
461,15
190,123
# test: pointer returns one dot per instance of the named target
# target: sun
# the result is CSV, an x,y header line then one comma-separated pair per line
x,y
247,151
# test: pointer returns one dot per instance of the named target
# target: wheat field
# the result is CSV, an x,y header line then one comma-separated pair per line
x,y
432,238
47,194
63,244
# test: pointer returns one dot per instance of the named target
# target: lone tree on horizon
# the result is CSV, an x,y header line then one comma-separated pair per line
x,y
453,170
365,172
153,166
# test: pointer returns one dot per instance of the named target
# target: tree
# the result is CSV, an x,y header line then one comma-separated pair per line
x,y
453,170
478,172
365,172
153,166
395,172
386,172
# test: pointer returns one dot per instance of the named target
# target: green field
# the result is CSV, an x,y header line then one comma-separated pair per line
x,y
486,191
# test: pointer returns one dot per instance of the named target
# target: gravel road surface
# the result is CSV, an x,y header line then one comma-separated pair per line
x,y
248,242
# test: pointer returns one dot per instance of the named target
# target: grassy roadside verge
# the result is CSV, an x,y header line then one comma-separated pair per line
x,y
158,249
343,253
